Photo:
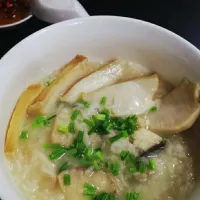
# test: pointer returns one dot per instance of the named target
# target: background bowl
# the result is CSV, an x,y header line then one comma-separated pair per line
x,y
16,23
98,37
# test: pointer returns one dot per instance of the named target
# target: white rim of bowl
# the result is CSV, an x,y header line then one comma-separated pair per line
x,y
17,22
80,20
103,17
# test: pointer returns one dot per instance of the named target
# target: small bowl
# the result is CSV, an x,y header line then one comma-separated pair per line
x,y
16,23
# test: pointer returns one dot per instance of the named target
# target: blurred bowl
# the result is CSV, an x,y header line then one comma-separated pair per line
x,y
16,23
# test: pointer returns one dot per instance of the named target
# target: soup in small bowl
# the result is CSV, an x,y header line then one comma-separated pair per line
x,y
92,121
12,12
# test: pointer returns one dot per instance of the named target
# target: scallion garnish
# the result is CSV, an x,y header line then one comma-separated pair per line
x,y
133,169
89,189
100,155
39,121
83,102
100,117
75,114
124,155
79,139
23,135
88,122
71,127
151,165
72,151
96,165
142,167
106,112
109,126
67,179
52,146
63,167
123,134
133,159
106,165
51,117
57,153
132,196
105,196
103,100
114,167
42,120
63,128
89,152
153,109
48,83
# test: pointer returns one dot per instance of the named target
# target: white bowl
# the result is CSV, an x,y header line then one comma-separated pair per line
x,y
16,23
98,37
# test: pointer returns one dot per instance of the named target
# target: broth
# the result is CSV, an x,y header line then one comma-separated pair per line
x,y
12,11
172,178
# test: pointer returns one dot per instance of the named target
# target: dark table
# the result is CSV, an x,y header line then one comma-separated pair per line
x,y
179,16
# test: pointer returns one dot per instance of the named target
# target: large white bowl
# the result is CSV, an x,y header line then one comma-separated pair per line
x,y
98,37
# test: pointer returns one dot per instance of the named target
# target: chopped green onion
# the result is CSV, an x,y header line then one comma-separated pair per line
x,y
132,196
151,165
63,167
124,155
72,151
133,169
39,121
57,153
132,158
71,127
79,139
23,135
89,152
75,114
98,149
91,131
51,117
67,179
103,100
153,109
142,168
89,189
85,103
96,165
94,119
100,117
42,120
114,167
112,196
48,83
52,146
123,134
106,112
88,122
100,155
109,126
105,196
63,128
106,165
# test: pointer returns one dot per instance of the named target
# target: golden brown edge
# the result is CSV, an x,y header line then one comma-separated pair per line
x,y
37,105
101,66
25,99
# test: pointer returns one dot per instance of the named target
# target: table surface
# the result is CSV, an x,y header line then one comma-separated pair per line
x,y
179,16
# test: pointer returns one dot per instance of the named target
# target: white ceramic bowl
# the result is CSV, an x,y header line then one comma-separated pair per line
x,y
98,37
16,23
